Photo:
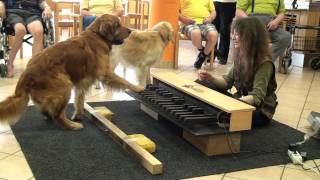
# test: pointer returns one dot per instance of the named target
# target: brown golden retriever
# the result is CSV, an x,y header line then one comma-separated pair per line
x,y
142,49
75,63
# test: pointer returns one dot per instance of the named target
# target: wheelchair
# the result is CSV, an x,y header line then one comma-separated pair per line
x,y
6,30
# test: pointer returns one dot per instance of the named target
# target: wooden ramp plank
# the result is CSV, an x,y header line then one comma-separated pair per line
x,y
147,160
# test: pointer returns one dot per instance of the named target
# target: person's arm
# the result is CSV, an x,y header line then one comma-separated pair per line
x,y
220,82
185,20
2,9
118,8
242,6
47,13
212,15
260,84
274,24
240,14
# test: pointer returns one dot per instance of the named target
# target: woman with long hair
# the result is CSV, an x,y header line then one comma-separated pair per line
x,y
253,72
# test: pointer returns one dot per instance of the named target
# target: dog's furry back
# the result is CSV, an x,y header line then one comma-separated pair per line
x,y
142,49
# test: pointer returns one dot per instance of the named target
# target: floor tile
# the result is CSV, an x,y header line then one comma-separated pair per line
x,y
8,143
15,168
308,165
267,173
4,127
212,177
292,174
3,155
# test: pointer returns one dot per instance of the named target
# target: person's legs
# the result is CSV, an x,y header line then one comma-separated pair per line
x,y
36,29
259,119
194,33
16,21
216,22
87,20
227,13
280,40
212,37
20,32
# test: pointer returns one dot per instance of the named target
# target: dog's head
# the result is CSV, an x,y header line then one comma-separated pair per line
x,y
165,30
110,29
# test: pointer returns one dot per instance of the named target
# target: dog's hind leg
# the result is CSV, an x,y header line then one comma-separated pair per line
x,y
78,104
53,98
116,82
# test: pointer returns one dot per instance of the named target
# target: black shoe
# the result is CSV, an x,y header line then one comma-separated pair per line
x,y
200,59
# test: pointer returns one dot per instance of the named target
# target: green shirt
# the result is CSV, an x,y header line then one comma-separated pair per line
x,y
269,7
263,88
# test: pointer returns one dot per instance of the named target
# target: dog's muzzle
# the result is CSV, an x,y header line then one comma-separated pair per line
x,y
117,41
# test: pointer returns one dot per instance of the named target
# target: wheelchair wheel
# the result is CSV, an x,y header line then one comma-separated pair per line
x,y
3,70
285,64
315,63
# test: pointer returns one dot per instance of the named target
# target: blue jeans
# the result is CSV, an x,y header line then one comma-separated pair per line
x,y
87,20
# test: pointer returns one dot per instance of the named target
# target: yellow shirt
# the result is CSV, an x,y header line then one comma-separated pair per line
x,y
99,7
196,9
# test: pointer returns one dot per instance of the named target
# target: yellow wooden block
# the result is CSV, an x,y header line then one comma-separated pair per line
x,y
143,141
105,112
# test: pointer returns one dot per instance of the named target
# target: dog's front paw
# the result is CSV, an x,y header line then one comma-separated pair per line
x,y
137,88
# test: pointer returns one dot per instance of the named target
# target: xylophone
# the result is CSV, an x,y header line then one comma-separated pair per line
x,y
194,109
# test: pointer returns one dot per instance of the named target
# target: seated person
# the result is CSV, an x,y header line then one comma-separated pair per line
x,y
272,14
253,72
196,17
23,16
90,9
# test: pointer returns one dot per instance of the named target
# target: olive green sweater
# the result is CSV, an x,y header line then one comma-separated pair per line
x,y
263,88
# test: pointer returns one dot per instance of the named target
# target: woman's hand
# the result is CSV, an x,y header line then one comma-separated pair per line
x,y
272,25
47,13
187,21
204,75
207,20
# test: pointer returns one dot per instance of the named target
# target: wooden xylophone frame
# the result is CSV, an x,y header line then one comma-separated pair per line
x,y
208,137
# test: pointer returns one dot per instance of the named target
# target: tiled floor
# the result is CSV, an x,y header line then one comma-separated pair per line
x,y
298,94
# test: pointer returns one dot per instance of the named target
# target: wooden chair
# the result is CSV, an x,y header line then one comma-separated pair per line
x,y
144,22
66,16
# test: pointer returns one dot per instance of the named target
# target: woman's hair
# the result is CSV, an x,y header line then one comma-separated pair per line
x,y
253,50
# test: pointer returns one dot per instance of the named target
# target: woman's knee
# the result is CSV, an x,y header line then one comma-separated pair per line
x,y
20,30
212,36
38,33
195,34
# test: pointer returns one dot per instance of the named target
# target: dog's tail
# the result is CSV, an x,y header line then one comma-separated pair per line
x,y
12,108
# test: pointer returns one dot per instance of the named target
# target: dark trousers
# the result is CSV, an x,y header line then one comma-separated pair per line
x,y
225,14
258,118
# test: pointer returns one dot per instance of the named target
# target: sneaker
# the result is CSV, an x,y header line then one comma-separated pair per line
x,y
200,59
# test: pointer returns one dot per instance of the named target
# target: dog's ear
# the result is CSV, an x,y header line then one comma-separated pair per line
x,y
106,30
166,32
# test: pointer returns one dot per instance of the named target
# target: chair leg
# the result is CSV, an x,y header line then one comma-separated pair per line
x,y
21,51
212,59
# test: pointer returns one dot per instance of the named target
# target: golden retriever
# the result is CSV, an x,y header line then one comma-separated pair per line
x,y
142,49
75,63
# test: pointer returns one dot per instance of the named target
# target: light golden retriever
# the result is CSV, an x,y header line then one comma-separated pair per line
x,y
75,63
142,49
